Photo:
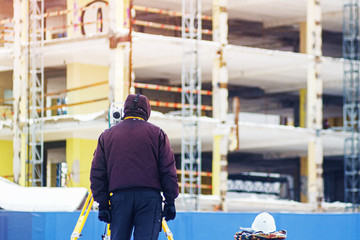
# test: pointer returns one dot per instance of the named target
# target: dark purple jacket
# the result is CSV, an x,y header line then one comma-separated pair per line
x,y
133,153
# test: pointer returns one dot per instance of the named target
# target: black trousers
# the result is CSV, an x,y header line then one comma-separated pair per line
x,y
138,210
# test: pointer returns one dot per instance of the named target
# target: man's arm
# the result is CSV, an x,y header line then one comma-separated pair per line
x,y
98,175
167,169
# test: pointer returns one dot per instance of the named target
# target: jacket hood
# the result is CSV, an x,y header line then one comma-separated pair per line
x,y
140,109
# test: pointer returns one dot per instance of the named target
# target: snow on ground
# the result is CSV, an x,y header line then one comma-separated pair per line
x,y
39,199
245,202
45,199
252,202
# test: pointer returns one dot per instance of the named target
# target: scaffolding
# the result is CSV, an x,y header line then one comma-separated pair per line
x,y
351,106
191,102
35,100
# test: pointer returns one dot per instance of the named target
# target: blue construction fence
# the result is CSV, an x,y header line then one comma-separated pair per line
x,y
186,226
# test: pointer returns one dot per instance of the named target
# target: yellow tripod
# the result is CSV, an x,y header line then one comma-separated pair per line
x,y
85,213
166,230
82,219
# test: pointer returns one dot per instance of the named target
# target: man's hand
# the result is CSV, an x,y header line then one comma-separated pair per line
x,y
104,213
169,211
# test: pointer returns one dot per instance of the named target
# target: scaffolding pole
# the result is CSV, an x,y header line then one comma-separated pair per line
x,y
35,113
191,104
351,113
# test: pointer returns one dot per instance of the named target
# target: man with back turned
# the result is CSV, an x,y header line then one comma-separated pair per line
x,y
134,161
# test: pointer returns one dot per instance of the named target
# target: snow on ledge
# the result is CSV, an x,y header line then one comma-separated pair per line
x,y
77,117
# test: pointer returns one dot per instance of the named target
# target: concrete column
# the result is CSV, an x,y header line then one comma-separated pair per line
x,y
20,83
6,163
220,164
73,18
304,179
119,49
220,100
302,107
79,155
303,160
314,92
302,37
78,75
220,72
215,181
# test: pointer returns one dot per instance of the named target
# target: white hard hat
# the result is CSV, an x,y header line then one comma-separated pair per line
x,y
264,222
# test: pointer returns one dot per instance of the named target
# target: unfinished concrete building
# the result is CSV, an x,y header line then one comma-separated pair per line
x,y
266,84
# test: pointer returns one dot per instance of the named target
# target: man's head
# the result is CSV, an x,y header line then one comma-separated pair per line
x,y
137,105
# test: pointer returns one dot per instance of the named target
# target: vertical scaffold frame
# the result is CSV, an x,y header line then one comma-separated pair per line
x,y
351,106
35,113
191,103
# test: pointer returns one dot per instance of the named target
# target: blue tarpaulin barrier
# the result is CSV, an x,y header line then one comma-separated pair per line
x,y
186,226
